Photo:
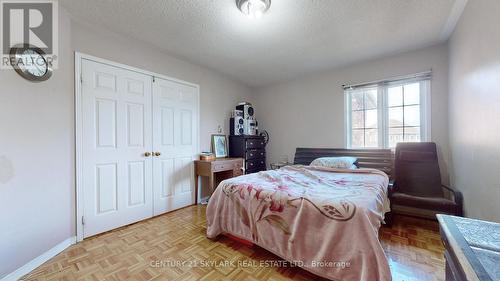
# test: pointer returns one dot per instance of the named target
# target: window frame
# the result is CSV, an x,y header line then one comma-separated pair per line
x,y
383,112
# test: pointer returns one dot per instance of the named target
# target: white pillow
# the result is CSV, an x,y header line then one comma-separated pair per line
x,y
335,162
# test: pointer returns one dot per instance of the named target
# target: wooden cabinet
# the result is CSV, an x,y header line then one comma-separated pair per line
x,y
252,149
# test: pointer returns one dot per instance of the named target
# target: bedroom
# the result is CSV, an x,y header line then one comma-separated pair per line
x,y
308,68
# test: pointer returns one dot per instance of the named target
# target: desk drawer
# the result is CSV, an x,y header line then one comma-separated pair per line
x,y
226,166
219,166
255,154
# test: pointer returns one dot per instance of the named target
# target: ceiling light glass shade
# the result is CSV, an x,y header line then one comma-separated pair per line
x,y
253,8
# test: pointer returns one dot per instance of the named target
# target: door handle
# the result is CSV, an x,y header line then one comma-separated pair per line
x,y
157,153
147,154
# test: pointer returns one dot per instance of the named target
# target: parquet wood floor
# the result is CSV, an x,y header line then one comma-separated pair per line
x,y
148,250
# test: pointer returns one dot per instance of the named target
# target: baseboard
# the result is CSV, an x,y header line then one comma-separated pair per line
x,y
36,262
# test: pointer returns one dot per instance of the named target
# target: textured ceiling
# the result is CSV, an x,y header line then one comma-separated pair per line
x,y
295,37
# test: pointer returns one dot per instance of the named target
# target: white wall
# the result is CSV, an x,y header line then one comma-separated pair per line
x,y
218,94
37,179
309,111
475,108
36,146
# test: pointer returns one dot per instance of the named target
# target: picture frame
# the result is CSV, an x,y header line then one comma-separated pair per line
x,y
219,146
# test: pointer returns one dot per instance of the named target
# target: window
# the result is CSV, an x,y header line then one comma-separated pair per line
x,y
379,115
364,116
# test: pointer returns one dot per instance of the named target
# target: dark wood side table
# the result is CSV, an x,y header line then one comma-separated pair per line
x,y
216,170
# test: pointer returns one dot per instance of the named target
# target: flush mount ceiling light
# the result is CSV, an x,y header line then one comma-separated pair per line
x,y
253,8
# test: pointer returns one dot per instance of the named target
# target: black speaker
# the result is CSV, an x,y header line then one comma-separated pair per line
x,y
236,123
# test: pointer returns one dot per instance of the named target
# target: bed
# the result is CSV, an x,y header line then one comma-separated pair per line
x,y
324,220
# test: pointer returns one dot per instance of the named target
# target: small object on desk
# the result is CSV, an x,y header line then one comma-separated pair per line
x,y
279,165
216,170
207,156
472,248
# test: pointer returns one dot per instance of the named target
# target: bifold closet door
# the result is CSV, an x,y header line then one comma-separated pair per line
x,y
175,144
116,140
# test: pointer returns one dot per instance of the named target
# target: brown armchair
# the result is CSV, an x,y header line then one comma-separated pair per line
x,y
417,189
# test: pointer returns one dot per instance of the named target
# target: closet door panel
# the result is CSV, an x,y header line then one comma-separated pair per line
x,y
175,138
116,133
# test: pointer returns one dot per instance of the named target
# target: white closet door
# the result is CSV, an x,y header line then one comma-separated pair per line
x,y
175,141
116,173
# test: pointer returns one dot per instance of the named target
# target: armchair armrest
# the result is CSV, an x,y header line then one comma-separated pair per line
x,y
457,197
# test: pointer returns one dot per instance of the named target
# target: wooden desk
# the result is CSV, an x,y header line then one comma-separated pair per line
x,y
216,170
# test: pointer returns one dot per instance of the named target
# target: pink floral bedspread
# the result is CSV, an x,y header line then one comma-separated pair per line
x,y
324,220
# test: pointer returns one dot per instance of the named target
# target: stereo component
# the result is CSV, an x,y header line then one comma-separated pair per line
x,y
250,127
236,123
247,108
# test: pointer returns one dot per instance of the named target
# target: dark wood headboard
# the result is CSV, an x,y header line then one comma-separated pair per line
x,y
380,159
